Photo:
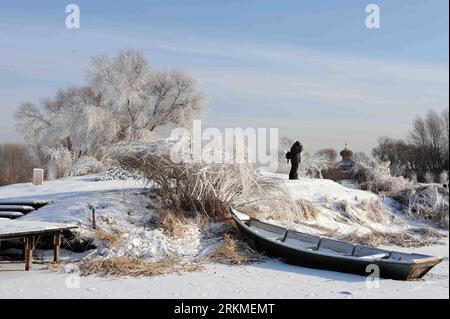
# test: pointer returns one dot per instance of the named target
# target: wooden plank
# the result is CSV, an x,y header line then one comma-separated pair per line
x,y
21,228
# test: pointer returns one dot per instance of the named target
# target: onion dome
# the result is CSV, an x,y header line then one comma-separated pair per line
x,y
346,153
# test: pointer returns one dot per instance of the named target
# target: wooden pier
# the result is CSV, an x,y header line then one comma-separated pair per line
x,y
29,231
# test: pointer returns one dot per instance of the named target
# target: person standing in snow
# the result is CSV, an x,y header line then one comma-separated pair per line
x,y
294,155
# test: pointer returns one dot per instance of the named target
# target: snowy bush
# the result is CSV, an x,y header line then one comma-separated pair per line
x,y
59,161
117,173
429,204
378,178
87,165
426,202
199,188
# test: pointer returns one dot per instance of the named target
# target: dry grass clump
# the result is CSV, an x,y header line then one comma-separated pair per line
x,y
307,209
375,210
171,223
195,188
111,239
253,211
135,267
426,232
377,239
55,267
428,203
364,214
202,221
234,252
348,212
299,211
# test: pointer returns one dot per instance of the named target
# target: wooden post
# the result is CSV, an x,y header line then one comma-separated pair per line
x,y
29,246
94,223
56,246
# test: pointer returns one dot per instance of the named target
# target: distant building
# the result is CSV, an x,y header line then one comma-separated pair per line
x,y
342,172
347,163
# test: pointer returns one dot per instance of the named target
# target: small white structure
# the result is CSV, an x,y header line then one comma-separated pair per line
x,y
38,176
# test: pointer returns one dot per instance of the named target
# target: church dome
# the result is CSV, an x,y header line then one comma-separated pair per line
x,y
346,153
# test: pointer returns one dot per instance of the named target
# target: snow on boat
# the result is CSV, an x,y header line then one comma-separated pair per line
x,y
36,204
16,208
11,215
323,253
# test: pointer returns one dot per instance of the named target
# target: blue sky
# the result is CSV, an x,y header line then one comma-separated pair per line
x,y
310,68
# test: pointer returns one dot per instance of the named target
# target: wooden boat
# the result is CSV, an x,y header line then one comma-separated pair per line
x,y
329,254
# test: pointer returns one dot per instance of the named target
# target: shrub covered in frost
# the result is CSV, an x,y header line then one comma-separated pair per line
x,y
378,179
197,188
426,202
117,173
59,161
87,165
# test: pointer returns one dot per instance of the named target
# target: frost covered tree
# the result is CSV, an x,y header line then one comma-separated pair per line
x,y
427,149
329,153
314,165
141,98
431,132
125,99
361,157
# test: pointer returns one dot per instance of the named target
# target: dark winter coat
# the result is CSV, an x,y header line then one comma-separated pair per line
x,y
295,157
295,151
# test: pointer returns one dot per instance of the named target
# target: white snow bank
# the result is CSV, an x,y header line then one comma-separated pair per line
x,y
268,280
343,210
65,187
120,207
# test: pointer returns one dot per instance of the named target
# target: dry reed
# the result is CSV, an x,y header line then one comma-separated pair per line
x,y
111,238
376,239
136,267
234,252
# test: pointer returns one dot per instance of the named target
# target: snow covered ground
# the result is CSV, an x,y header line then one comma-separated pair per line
x,y
121,205
272,279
